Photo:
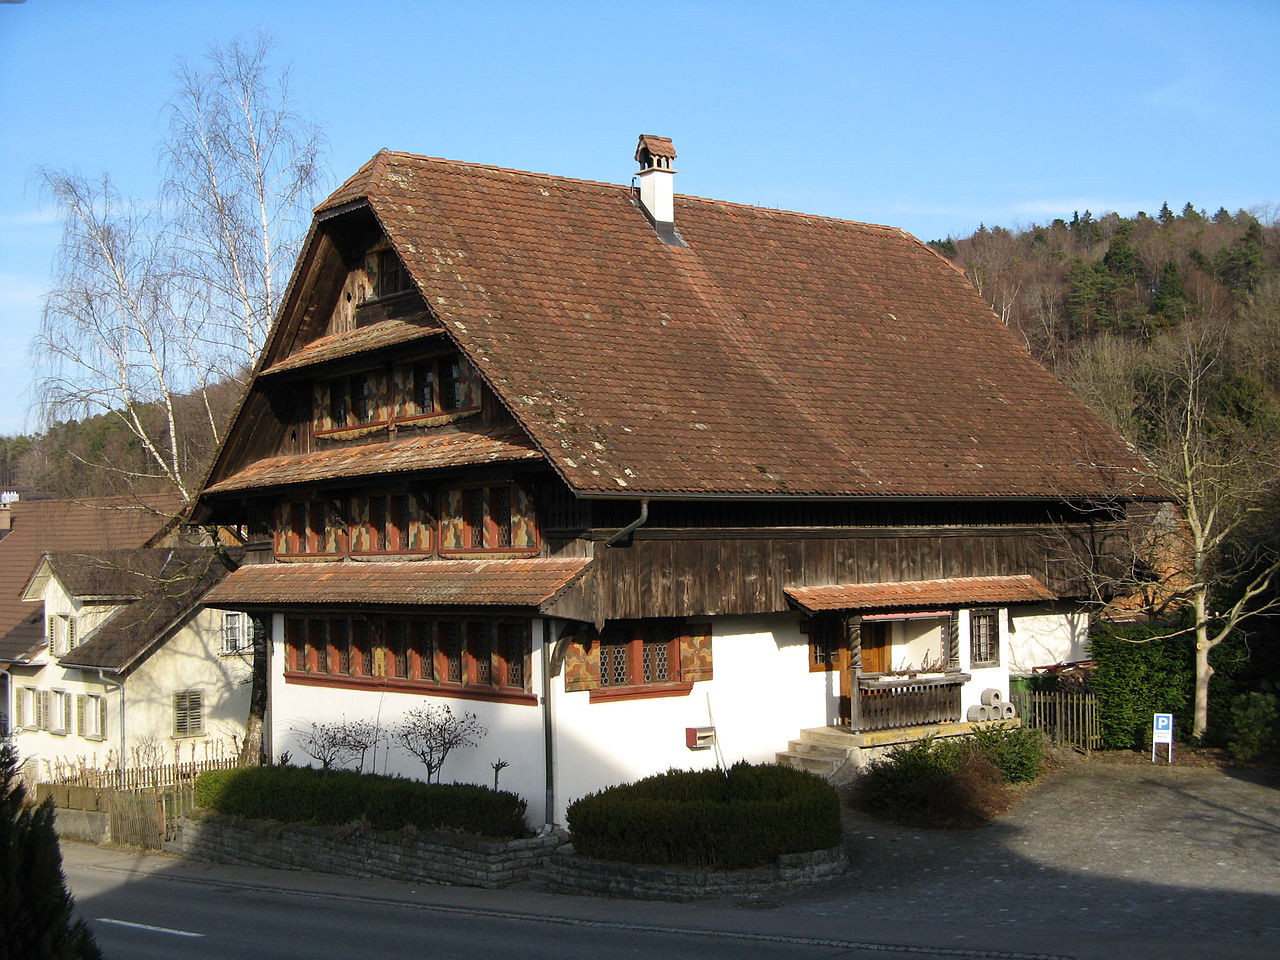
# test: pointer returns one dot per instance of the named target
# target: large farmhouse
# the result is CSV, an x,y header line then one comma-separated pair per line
x,y
609,466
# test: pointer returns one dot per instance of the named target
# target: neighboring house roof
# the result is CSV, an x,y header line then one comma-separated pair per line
x,y
380,458
161,588
473,583
40,526
950,592
776,354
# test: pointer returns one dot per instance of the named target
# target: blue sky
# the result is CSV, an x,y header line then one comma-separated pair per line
x,y
929,116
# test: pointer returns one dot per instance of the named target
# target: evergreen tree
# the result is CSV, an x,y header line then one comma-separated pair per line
x,y
1165,213
36,911
1169,305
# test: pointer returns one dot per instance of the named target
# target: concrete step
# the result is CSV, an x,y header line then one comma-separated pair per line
x,y
814,749
823,766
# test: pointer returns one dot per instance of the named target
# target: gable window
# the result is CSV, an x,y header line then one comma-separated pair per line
x,y
483,519
435,386
984,638
639,658
188,713
62,634
350,402
92,713
471,658
391,276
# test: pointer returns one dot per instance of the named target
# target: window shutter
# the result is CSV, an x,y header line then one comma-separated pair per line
x,y
582,663
953,640
320,403
19,709
71,633
42,709
695,653
80,718
524,524
102,717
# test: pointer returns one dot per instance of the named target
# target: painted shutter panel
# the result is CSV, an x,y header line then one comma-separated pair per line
x,y
451,521
524,523
695,653
320,403
582,663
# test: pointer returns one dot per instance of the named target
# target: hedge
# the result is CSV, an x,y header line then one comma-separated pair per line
x,y
744,817
336,797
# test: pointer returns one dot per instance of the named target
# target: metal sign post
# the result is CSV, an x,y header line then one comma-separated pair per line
x,y
1162,732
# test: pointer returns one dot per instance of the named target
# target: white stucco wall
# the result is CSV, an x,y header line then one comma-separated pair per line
x,y
1045,635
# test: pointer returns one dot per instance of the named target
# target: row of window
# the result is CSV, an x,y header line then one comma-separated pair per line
x,y
55,711
476,655
639,658
826,637
397,393
471,519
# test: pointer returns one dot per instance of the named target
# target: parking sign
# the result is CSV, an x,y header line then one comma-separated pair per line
x,y
1162,732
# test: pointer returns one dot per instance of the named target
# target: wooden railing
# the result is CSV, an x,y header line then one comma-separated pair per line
x,y
883,704
1067,718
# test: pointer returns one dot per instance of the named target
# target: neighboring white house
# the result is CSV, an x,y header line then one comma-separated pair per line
x,y
133,670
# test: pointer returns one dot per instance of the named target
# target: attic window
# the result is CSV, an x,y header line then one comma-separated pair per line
x,y
390,277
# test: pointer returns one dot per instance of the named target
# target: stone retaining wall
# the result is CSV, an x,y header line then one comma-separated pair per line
x,y
570,873
358,852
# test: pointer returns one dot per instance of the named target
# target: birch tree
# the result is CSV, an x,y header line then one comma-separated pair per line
x,y
159,309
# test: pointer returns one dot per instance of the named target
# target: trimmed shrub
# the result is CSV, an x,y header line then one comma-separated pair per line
x,y
1138,676
1017,752
744,817
336,797
1255,726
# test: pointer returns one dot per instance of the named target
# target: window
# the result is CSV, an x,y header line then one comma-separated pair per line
x,y
824,642
478,658
188,713
60,712
499,517
435,386
92,709
391,277
24,708
639,658
62,634
984,638
389,523
351,401
236,635
33,709
309,528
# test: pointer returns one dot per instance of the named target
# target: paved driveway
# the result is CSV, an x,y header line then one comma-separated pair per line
x,y
1114,857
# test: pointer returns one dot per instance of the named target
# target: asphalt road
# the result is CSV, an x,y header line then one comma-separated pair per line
x,y
1101,861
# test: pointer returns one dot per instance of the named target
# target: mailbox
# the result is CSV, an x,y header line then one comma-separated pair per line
x,y
699,738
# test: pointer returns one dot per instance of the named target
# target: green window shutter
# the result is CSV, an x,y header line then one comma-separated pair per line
x,y
80,707
19,708
102,717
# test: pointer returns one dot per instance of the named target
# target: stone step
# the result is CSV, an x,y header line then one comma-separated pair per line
x,y
823,766
814,749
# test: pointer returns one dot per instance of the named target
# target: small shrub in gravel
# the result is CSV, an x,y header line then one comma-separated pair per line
x,y
1018,752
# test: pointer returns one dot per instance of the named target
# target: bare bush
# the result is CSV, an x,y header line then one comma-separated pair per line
x,y
431,732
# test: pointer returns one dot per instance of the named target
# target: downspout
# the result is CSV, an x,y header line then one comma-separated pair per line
x,y
120,685
631,527
548,731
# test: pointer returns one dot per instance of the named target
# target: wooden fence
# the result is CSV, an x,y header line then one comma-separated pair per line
x,y
1067,718
140,778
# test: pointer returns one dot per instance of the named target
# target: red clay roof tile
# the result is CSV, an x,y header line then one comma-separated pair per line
x,y
777,354
483,583
436,451
921,593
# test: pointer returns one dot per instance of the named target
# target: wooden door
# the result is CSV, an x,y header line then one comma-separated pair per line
x,y
876,649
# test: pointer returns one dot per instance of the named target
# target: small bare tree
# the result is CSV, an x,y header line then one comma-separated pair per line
x,y
339,743
431,732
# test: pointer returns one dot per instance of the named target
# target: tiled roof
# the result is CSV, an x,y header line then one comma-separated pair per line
x,y
386,333
169,585
481,583
777,354
430,452
955,591
40,526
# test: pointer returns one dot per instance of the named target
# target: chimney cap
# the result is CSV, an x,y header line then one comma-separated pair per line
x,y
651,147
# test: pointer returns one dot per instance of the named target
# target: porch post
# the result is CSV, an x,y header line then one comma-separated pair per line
x,y
853,638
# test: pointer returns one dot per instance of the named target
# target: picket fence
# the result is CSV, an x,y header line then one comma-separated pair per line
x,y
1069,719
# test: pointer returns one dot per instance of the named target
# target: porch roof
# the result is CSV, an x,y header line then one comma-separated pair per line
x,y
437,583
949,592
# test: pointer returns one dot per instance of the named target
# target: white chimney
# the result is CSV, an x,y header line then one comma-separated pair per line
x,y
657,184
